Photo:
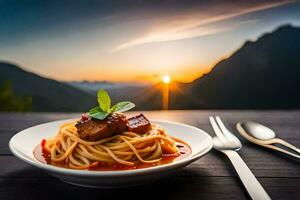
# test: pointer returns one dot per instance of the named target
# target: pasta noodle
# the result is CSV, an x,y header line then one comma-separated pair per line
x,y
126,148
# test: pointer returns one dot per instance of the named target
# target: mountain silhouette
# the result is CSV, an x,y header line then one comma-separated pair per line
x,y
262,74
46,94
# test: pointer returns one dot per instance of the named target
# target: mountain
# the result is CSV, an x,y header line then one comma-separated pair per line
x,y
46,94
145,96
262,74
89,86
93,86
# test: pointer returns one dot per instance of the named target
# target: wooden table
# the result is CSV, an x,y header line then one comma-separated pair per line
x,y
211,177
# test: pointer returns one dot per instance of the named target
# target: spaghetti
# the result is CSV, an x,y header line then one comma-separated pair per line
x,y
127,148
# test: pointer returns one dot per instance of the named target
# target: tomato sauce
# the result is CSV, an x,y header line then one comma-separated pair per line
x,y
184,150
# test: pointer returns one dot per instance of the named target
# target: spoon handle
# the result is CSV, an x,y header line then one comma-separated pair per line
x,y
281,150
285,143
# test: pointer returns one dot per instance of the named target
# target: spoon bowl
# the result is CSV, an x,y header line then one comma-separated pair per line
x,y
264,136
258,131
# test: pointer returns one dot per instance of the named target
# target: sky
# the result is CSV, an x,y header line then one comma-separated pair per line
x,y
133,40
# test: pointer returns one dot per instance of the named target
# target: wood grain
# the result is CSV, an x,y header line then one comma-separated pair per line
x,y
174,187
211,177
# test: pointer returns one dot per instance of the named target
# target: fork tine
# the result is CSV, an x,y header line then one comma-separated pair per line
x,y
224,129
217,130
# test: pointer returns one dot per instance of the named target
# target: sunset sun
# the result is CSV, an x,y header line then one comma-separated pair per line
x,y
166,79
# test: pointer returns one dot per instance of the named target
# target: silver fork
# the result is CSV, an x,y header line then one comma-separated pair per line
x,y
229,144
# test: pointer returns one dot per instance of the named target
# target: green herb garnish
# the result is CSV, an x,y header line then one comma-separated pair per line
x,y
104,109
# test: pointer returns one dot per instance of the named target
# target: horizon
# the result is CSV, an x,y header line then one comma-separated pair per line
x,y
183,43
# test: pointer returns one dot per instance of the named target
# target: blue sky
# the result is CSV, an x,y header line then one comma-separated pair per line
x,y
133,40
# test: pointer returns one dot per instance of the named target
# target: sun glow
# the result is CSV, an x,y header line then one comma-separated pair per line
x,y
166,79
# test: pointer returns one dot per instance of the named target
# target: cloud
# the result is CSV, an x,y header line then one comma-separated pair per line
x,y
195,24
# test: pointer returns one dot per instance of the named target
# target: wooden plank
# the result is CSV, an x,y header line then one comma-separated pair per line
x,y
267,116
169,188
19,121
212,164
285,120
4,139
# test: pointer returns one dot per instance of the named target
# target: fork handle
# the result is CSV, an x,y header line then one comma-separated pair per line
x,y
254,188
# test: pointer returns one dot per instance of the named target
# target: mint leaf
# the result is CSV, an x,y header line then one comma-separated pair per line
x,y
97,113
95,110
122,106
103,110
103,100
100,115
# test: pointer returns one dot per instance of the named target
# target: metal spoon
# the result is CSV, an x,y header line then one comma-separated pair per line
x,y
264,136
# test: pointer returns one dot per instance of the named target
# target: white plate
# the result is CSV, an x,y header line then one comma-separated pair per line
x,y
23,143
